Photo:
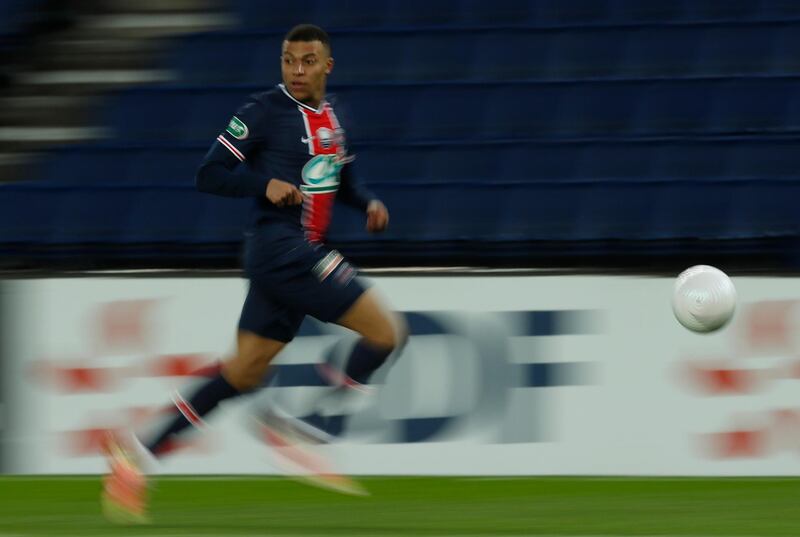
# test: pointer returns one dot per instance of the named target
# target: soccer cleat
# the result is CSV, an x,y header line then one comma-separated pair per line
x,y
124,496
296,449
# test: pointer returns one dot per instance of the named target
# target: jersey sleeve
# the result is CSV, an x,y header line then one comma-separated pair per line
x,y
220,172
351,191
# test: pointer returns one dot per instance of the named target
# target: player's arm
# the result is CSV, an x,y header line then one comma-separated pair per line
x,y
353,193
218,173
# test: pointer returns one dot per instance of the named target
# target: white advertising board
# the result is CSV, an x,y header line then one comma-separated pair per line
x,y
503,375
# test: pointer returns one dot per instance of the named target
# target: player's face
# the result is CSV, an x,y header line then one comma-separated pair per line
x,y
305,66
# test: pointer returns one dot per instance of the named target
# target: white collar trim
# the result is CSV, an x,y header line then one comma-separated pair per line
x,y
317,110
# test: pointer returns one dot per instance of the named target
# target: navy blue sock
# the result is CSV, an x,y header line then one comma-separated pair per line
x,y
364,360
191,411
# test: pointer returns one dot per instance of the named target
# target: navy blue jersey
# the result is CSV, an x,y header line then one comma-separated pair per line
x,y
273,135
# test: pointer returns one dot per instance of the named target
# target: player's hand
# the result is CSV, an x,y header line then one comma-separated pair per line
x,y
377,216
282,193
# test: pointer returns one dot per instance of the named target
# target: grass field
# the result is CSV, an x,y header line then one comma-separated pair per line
x,y
416,506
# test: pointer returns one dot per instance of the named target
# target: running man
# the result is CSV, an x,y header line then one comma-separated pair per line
x,y
295,164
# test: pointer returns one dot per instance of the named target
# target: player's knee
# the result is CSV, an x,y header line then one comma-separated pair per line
x,y
389,335
243,379
246,373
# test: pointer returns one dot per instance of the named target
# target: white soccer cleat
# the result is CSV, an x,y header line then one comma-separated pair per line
x,y
296,449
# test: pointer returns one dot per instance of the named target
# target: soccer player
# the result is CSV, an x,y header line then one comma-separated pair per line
x,y
296,163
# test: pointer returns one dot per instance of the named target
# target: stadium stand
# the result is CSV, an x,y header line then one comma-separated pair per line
x,y
519,130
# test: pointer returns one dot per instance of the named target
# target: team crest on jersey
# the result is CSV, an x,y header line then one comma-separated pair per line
x,y
325,137
237,128
321,174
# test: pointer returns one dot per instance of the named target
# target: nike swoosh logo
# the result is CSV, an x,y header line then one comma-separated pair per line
x,y
306,140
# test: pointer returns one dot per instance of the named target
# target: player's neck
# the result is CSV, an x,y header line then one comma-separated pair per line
x,y
311,101
314,100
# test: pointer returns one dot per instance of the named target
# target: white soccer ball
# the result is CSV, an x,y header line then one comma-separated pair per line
x,y
703,298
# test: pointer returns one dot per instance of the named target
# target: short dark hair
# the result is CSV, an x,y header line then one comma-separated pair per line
x,y
309,32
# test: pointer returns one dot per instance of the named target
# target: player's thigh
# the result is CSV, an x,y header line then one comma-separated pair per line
x,y
370,317
265,327
254,353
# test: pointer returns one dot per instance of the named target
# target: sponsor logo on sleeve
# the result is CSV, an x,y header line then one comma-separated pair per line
x,y
237,128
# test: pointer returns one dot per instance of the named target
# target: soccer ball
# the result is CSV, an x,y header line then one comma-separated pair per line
x,y
703,299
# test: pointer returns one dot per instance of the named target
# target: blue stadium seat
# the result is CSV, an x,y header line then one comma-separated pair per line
x,y
612,162
269,15
778,10
432,57
613,210
491,112
84,165
785,57
404,13
585,53
672,107
538,212
521,112
163,215
354,65
116,165
764,159
549,13
471,13
92,215
636,11
528,163
506,13
150,115
165,165
27,212
221,220
766,208
226,58
596,109
754,106
682,161
347,13
661,52
160,114
509,55
722,10
483,55
738,50
720,50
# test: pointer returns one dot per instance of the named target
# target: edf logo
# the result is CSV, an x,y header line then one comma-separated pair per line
x,y
461,375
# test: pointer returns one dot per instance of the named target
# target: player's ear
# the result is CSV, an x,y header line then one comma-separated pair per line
x,y
328,66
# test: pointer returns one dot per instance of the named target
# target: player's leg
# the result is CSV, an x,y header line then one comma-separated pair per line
x,y
264,329
329,290
382,332
239,374
125,488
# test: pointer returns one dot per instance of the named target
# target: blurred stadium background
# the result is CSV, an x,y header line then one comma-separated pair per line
x,y
566,132
564,139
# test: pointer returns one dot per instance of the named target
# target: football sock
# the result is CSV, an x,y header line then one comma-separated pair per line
x,y
364,360
190,412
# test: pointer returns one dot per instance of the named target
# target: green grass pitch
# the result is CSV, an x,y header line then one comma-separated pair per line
x,y
416,506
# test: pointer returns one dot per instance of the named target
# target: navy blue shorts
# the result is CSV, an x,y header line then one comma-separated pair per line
x,y
308,280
